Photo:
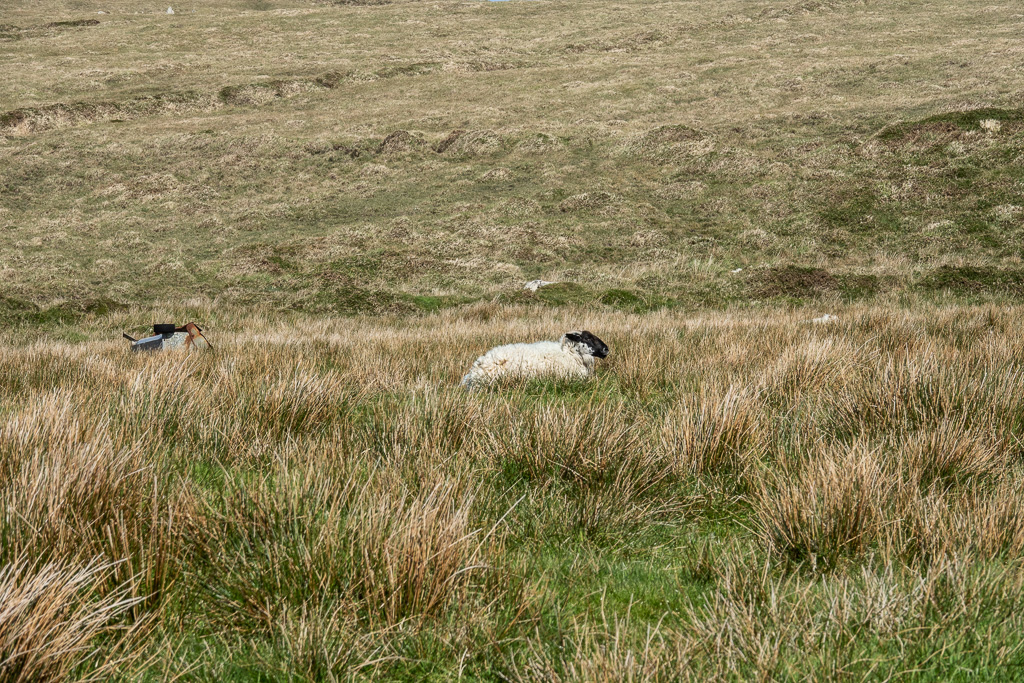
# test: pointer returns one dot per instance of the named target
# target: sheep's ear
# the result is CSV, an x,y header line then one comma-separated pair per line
x,y
574,336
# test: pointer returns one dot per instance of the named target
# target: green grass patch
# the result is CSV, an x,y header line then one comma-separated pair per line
x,y
952,121
974,280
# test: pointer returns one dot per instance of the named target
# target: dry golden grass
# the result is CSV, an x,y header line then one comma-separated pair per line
x,y
51,616
319,499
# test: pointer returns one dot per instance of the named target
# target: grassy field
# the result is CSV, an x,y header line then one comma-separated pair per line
x,y
348,196
416,155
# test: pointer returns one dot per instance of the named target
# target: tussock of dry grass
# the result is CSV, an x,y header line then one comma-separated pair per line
x,y
828,506
53,613
709,433
770,628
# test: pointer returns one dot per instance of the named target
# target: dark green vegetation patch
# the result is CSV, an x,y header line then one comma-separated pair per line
x,y
952,122
16,312
792,281
975,280
73,23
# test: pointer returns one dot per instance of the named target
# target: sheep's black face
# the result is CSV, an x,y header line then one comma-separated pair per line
x,y
597,348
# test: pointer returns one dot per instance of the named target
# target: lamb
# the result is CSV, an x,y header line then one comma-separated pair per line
x,y
572,356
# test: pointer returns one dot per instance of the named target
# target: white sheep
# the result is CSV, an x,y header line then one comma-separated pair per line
x,y
572,356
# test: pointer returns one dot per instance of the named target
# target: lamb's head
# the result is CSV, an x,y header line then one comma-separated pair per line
x,y
585,344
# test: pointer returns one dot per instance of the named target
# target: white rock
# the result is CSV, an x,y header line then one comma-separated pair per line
x,y
827,318
534,285
170,11
736,271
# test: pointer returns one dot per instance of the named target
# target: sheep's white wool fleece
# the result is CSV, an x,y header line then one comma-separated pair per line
x,y
560,359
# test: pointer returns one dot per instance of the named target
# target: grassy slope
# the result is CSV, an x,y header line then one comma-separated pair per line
x,y
260,172
736,496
